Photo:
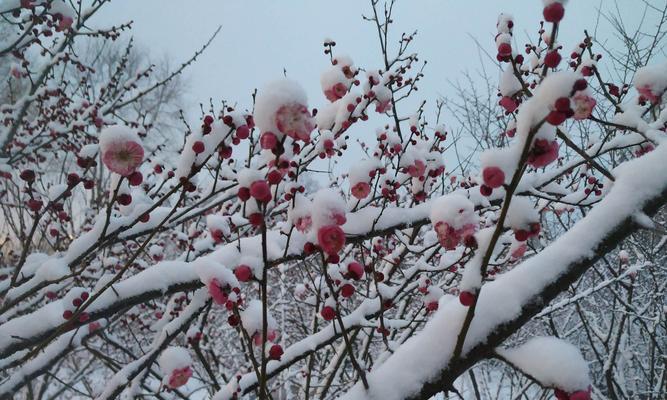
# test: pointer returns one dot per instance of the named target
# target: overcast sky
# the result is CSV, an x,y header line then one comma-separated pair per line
x,y
261,38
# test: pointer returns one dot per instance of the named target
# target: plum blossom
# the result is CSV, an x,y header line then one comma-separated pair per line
x,y
121,150
454,220
303,224
295,121
179,377
450,237
216,291
493,177
176,365
361,190
331,239
509,104
647,93
337,91
543,153
282,109
382,106
583,106
271,336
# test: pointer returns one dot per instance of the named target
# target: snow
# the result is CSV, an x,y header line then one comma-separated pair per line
x,y
552,361
88,151
327,204
653,77
189,158
521,213
509,83
115,134
454,209
251,318
554,86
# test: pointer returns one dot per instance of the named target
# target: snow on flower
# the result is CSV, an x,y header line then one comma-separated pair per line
x,y
454,219
651,82
251,319
382,97
334,83
523,218
432,297
219,279
509,83
329,208
175,364
121,149
282,107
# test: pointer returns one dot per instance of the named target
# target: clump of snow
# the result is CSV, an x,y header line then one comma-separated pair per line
x,y
174,357
509,83
329,208
88,151
651,81
114,134
521,213
251,318
454,209
552,361
208,269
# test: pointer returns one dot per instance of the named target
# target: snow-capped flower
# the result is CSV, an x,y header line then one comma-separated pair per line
x,y
295,121
175,363
281,107
337,91
382,106
303,224
417,169
454,219
179,377
647,93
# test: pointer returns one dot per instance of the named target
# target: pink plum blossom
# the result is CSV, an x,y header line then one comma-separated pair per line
x,y
583,106
335,92
295,121
123,157
179,377
543,153
331,239
361,190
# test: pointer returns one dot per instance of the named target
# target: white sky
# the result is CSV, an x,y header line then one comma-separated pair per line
x,y
261,37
